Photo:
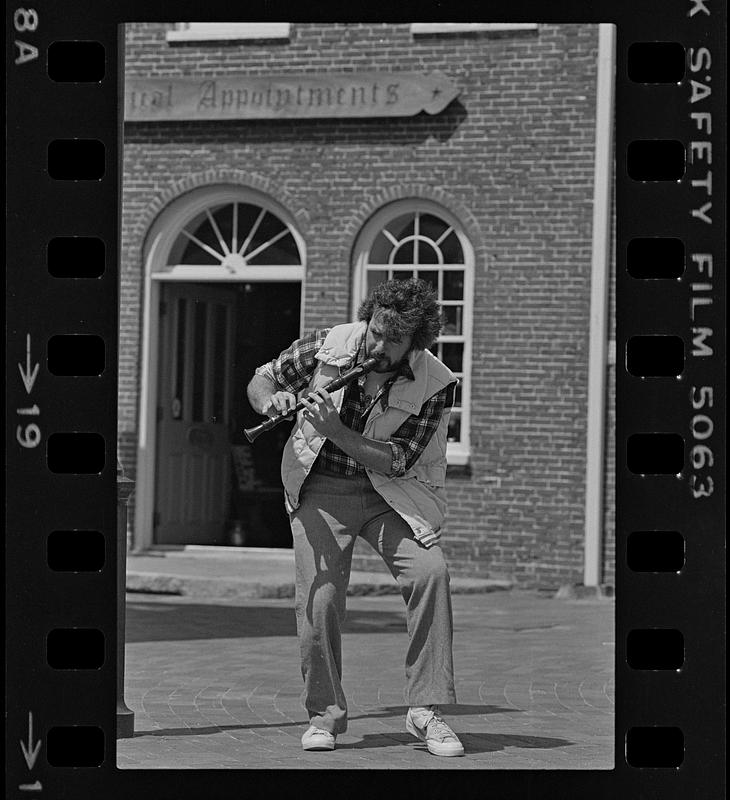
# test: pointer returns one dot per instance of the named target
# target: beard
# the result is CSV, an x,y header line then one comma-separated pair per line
x,y
386,365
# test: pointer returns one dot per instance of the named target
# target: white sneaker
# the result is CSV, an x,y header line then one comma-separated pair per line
x,y
431,728
318,739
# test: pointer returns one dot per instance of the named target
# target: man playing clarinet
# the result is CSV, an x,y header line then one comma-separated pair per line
x,y
369,460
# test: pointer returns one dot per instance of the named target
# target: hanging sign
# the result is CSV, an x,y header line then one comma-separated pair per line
x,y
371,94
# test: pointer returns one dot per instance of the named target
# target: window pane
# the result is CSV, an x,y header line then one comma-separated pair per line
x,y
194,254
451,250
457,394
402,274
427,253
380,251
247,216
402,226
431,226
404,255
179,391
201,228
219,364
223,217
282,252
453,355
454,285
267,229
452,320
199,360
431,277
454,432
376,277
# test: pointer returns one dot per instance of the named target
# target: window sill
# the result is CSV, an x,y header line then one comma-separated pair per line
x,y
241,33
458,28
457,461
457,454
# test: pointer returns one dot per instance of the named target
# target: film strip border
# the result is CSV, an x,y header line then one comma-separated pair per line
x,y
62,240
670,402
66,580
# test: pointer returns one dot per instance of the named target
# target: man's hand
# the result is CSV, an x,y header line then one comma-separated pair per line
x,y
280,403
321,413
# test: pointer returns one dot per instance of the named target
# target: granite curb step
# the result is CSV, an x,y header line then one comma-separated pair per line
x,y
198,571
361,583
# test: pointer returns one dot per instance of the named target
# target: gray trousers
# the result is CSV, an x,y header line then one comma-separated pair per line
x,y
333,511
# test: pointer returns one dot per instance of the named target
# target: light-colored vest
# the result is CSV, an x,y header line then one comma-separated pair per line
x,y
418,496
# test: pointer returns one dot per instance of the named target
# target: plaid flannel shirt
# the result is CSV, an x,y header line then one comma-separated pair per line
x,y
292,371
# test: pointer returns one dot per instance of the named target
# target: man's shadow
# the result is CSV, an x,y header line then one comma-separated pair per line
x,y
473,742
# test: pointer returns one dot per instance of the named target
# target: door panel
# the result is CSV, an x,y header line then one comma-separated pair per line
x,y
193,432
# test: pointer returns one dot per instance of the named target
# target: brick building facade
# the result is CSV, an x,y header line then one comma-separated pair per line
x,y
507,167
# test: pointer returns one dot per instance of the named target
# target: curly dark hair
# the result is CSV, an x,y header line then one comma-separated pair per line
x,y
410,309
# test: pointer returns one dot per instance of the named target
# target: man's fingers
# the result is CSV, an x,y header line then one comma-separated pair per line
x,y
281,403
320,396
284,402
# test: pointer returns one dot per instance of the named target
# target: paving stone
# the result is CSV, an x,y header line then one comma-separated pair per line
x,y
215,684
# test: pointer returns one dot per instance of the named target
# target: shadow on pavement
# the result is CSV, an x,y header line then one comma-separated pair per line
x,y
157,622
473,742
380,713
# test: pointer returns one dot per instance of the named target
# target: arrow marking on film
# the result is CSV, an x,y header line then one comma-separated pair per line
x,y
28,374
31,753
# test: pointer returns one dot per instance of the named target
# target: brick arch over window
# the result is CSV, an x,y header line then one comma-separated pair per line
x,y
374,202
416,237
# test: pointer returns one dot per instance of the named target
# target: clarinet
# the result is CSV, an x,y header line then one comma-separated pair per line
x,y
337,383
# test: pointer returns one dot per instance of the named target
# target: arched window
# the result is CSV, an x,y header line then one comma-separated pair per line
x,y
417,238
223,234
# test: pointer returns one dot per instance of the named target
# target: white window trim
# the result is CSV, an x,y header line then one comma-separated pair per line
x,y
158,242
227,31
611,353
457,453
205,198
469,27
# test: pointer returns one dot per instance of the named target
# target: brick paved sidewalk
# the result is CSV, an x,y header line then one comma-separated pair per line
x,y
216,684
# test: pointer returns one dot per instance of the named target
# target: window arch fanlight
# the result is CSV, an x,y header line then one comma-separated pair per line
x,y
225,233
419,238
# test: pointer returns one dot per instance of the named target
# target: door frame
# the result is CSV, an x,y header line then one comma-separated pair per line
x,y
159,241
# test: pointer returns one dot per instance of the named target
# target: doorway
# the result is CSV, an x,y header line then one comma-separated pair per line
x,y
213,487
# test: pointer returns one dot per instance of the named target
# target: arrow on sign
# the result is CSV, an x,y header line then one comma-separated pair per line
x,y
30,753
28,374
435,92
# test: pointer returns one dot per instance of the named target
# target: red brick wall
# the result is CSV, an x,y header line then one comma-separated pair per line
x,y
512,158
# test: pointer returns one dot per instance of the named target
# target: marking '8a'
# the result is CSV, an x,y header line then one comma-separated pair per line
x,y
25,20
